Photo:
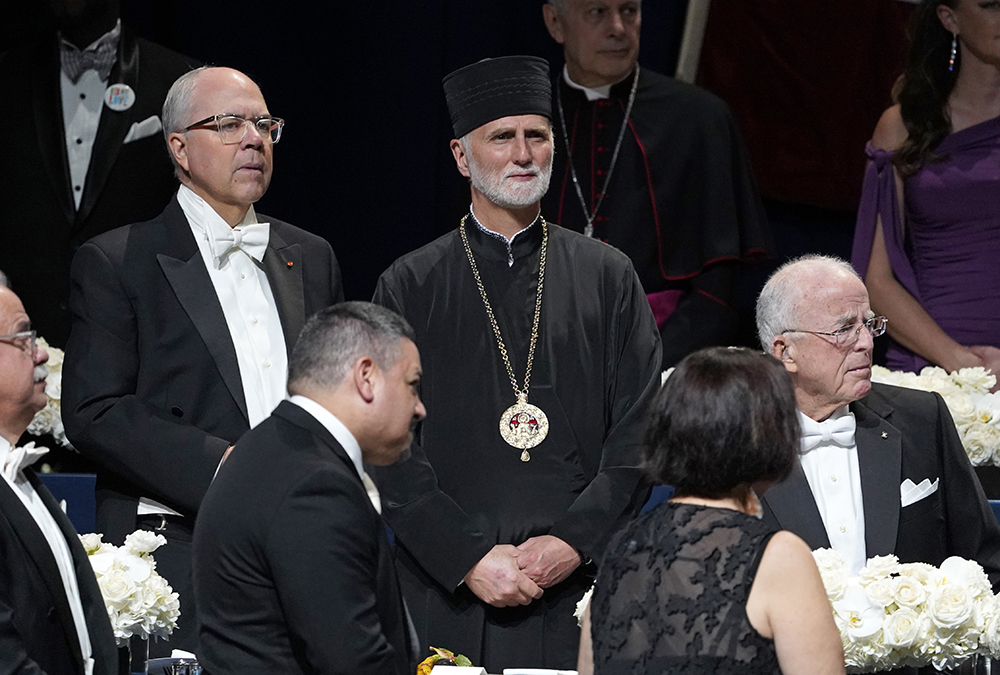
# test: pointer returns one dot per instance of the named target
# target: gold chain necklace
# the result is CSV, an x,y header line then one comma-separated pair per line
x,y
522,425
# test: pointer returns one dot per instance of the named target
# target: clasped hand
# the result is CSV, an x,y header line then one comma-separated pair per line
x,y
509,575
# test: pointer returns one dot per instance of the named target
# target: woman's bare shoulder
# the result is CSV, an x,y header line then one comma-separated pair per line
x,y
890,132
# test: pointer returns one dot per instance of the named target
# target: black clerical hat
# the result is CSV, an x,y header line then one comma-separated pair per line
x,y
495,88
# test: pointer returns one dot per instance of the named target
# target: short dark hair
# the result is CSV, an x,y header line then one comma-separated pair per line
x,y
724,420
335,337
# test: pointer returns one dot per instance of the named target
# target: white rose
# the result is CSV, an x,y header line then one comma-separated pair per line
x,y
962,408
991,636
832,571
43,421
91,542
966,573
902,628
56,355
949,605
884,375
908,592
981,442
926,574
882,591
879,567
144,541
116,588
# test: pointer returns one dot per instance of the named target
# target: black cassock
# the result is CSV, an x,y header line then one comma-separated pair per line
x,y
682,202
464,489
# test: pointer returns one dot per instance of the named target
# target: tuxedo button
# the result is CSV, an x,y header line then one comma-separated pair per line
x,y
253,320
176,411
243,275
843,528
267,364
833,478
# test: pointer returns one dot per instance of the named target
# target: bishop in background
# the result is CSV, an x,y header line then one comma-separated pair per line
x,y
540,355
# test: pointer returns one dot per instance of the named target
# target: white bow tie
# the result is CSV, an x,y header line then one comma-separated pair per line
x,y
839,431
252,239
20,458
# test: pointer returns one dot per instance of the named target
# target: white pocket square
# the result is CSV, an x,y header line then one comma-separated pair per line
x,y
911,494
139,130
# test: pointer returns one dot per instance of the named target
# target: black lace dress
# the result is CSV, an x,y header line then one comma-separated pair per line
x,y
671,595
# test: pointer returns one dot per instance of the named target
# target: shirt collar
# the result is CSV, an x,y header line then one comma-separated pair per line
x,y
111,37
201,215
592,93
336,429
5,448
496,246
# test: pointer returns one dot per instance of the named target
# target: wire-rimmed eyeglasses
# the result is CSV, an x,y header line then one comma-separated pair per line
x,y
233,128
25,340
848,335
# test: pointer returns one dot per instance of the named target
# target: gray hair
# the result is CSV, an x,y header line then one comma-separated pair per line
x,y
560,5
177,107
3,280
334,338
774,304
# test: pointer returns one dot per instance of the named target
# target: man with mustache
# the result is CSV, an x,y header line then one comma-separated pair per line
x,y
654,167
882,468
541,355
300,578
52,616
182,325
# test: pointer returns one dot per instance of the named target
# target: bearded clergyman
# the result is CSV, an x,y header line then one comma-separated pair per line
x,y
541,356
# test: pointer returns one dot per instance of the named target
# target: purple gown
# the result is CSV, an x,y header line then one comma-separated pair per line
x,y
945,250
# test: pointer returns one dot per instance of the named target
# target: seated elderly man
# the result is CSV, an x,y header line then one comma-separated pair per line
x,y
52,617
882,469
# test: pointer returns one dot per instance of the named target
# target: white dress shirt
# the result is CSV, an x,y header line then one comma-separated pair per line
x,y
835,480
82,103
25,491
346,439
251,314
592,93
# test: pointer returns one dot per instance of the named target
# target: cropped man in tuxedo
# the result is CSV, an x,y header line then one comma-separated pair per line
x,y
882,468
52,616
182,325
78,163
301,577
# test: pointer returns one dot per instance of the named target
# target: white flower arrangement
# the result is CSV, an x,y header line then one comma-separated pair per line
x,y
139,601
48,420
967,392
912,614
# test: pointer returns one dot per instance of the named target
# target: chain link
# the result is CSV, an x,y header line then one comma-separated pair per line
x,y
521,394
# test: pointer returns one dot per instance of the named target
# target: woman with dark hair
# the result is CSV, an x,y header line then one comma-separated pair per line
x,y
928,237
698,584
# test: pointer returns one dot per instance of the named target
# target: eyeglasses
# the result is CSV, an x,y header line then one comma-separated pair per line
x,y
848,335
25,340
233,128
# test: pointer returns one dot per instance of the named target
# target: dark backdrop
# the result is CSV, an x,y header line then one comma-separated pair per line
x,y
364,160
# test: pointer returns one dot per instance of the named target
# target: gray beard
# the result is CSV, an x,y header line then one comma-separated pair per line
x,y
510,196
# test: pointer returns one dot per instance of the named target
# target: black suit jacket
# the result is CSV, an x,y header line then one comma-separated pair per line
x,y
40,227
903,434
37,633
151,386
299,578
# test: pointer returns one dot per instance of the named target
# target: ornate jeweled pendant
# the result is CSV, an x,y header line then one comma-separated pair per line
x,y
524,426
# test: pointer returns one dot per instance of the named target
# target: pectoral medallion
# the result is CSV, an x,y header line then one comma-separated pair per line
x,y
524,426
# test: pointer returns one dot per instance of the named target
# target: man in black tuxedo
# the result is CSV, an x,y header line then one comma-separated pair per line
x,y
882,468
77,164
301,578
52,616
182,325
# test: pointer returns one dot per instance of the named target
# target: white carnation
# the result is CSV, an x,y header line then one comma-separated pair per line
x,y
144,541
902,628
879,567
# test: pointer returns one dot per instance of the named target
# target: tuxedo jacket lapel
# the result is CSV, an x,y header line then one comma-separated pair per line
x,y
37,547
880,461
283,267
47,104
184,268
113,125
792,504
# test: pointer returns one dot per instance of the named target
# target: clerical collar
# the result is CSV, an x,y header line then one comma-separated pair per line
x,y
509,244
594,93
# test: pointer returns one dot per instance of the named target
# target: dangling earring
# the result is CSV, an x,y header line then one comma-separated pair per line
x,y
954,53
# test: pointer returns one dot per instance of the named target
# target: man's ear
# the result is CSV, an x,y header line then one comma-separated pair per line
x,y
365,374
553,22
461,160
177,145
783,350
